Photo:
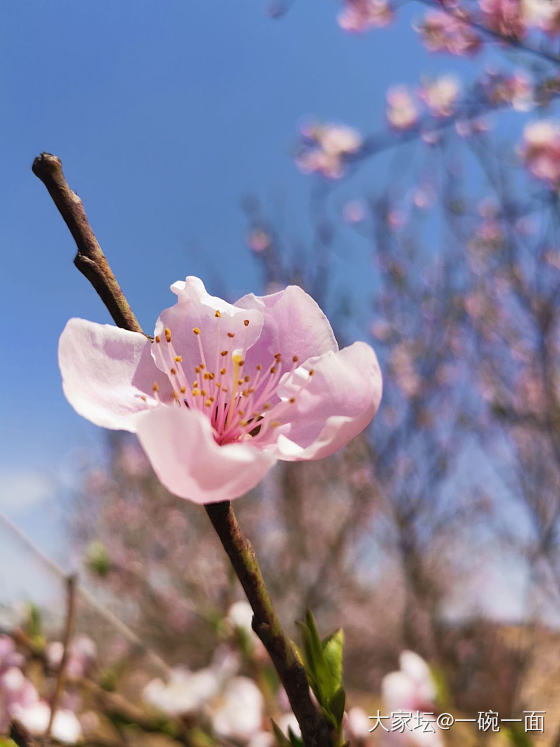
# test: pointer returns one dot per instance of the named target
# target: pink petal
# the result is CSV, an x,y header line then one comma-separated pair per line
x,y
336,404
105,372
181,448
195,308
293,325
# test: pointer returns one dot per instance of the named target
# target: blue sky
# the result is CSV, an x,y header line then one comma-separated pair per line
x,y
165,114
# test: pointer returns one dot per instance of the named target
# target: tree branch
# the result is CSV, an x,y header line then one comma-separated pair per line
x,y
91,261
67,636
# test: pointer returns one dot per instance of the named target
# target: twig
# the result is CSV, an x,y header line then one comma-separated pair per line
x,y
315,729
67,636
266,624
90,259
87,597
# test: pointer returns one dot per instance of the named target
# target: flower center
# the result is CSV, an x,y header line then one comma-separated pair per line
x,y
240,404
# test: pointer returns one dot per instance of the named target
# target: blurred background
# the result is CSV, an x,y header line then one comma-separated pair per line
x,y
399,161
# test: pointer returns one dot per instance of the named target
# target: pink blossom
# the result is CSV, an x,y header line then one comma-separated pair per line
x,y
259,240
442,32
354,211
362,15
326,147
542,14
402,112
225,389
503,16
411,689
239,712
440,95
541,150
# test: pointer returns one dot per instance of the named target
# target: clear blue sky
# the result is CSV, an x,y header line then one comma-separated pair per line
x,y
165,114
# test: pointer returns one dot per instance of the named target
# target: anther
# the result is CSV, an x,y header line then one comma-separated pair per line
x,y
196,331
224,353
259,367
275,424
246,378
173,371
292,400
231,334
295,359
277,357
311,372
179,358
183,389
246,322
217,314
155,387
167,334
223,371
273,370
157,338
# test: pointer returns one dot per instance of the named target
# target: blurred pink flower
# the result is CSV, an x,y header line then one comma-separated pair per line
x,y
259,240
540,150
325,148
411,689
542,14
238,713
362,15
504,17
224,390
442,33
402,112
440,95
354,211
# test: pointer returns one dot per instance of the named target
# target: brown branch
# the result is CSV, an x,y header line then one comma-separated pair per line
x,y
67,636
91,261
314,728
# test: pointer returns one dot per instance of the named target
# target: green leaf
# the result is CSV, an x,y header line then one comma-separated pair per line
x,y
336,705
333,649
295,741
280,738
7,742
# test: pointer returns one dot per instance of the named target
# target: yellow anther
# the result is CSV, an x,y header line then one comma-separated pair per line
x,y
259,367
183,389
277,357
224,353
246,378
231,334
173,371
217,314
157,338
203,392
251,390
311,372
196,331
246,322
201,365
211,376
208,403
167,334
239,382
292,400
155,387
222,371
179,358
243,423
143,398
241,412
273,370
295,359
266,406
207,375
175,395
275,424
197,369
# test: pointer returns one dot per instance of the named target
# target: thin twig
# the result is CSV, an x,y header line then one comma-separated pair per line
x,y
66,639
315,729
87,597
90,259
266,624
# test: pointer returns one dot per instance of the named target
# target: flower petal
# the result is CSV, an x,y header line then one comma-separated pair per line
x,y
105,373
293,325
221,326
333,406
181,448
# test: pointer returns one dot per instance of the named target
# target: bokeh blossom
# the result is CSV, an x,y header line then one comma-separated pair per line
x,y
402,112
504,17
325,148
440,95
540,150
224,390
362,15
442,32
411,689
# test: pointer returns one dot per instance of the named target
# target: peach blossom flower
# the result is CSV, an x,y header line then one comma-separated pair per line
x,y
239,713
503,16
542,14
362,15
402,112
326,148
225,389
540,150
411,689
442,33
440,95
